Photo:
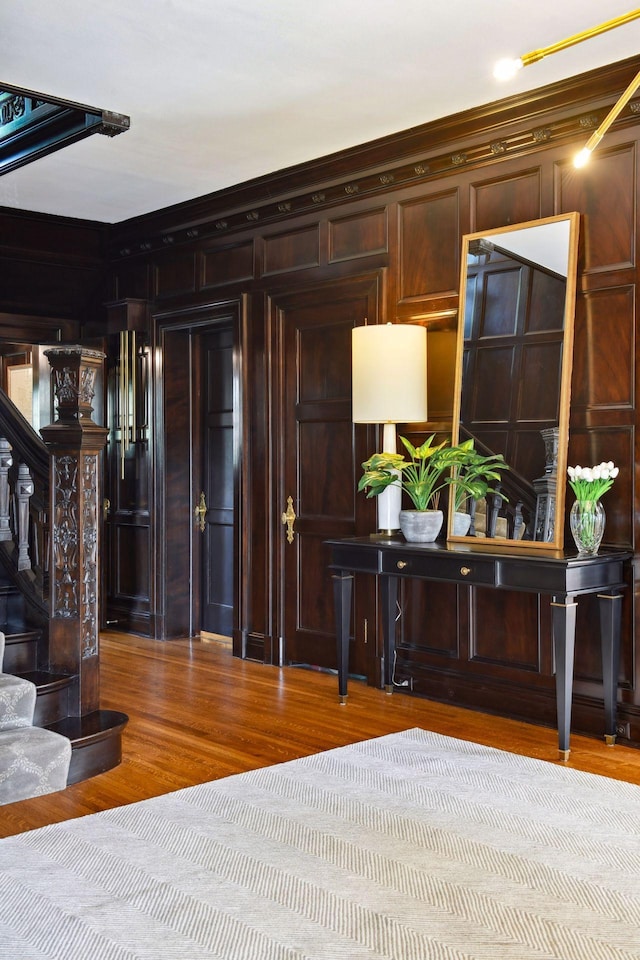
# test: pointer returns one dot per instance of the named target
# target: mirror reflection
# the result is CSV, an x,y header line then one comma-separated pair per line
x,y
515,339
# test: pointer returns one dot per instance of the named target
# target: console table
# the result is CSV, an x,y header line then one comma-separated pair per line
x,y
563,576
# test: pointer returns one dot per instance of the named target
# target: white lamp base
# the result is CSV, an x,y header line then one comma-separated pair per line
x,y
390,500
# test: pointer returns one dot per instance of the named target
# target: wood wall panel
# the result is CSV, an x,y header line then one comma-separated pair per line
x,y
174,539
441,362
504,629
428,622
512,198
132,546
232,264
605,185
429,247
175,277
604,350
293,250
356,236
133,280
598,443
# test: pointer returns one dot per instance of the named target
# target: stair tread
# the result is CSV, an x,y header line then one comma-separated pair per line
x,y
90,728
23,632
44,680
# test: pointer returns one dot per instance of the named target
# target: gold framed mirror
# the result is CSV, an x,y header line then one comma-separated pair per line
x,y
513,380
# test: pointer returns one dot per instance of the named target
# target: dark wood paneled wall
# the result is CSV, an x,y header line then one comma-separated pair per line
x,y
397,209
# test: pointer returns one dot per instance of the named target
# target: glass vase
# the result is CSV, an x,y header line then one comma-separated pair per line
x,y
587,520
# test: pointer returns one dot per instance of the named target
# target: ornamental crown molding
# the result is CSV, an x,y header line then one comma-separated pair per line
x,y
516,125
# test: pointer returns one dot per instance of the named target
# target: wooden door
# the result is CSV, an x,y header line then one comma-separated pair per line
x,y
216,496
320,456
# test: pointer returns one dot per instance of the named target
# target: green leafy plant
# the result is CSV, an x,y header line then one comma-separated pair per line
x,y
474,475
430,468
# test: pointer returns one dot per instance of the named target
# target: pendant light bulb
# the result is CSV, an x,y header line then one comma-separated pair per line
x,y
506,69
582,158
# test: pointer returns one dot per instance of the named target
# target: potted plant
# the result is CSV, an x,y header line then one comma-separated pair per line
x,y
428,470
472,478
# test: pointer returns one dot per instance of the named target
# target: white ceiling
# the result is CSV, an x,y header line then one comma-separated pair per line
x,y
222,91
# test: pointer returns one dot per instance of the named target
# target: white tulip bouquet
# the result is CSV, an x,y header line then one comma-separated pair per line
x,y
590,483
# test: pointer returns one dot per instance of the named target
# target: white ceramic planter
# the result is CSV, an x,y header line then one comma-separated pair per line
x,y
421,526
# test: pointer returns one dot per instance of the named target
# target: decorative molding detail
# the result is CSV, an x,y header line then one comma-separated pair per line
x,y
193,233
89,588
65,537
399,174
167,240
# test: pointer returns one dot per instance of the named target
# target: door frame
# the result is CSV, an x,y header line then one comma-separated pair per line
x,y
177,548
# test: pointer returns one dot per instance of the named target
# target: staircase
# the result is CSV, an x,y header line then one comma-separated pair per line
x,y
50,647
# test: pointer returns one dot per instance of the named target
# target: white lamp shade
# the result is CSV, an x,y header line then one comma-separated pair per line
x,y
389,367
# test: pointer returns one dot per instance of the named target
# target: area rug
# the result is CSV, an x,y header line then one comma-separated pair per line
x,y
408,847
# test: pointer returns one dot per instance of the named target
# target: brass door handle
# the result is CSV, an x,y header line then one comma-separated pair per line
x,y
200,512
289,518
106,506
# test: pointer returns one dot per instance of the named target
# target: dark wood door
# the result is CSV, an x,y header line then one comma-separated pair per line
x,y
320,456
217,486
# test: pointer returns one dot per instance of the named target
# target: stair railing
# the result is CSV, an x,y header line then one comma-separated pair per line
x,y
24,505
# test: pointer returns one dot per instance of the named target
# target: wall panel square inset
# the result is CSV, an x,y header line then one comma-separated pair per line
x,y
429,247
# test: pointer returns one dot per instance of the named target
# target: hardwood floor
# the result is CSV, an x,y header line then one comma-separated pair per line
x,y
197,714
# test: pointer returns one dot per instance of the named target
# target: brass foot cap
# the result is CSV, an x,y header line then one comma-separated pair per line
x,y
563,755
610,739
343,700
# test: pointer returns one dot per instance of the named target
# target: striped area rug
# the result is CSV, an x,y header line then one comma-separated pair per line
x,y
409,847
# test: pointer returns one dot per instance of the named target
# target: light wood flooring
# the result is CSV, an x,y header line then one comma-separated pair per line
x,y
197,714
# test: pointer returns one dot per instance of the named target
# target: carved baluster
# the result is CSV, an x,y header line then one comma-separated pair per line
x,y
492,515
24,492
5,462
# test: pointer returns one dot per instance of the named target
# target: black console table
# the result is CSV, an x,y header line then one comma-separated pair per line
x,y
564,576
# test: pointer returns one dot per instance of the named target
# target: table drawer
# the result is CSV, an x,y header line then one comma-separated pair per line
x,y
477,570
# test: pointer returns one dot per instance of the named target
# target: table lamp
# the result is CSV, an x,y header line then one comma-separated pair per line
x,y
389,386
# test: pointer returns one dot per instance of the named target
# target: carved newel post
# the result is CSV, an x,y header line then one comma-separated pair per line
x,y
75,443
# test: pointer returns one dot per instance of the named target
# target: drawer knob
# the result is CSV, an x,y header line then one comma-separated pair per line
x,y
465,571
401,564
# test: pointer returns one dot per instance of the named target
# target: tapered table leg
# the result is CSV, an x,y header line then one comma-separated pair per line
x,y
389,589
610,617
342,589
563,612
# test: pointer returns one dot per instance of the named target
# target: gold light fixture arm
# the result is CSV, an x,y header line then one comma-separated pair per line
x,y
597,136
506,69
534,55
